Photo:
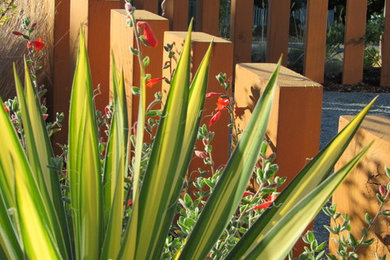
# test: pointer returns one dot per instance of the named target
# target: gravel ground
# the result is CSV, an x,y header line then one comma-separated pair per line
x,y
334,105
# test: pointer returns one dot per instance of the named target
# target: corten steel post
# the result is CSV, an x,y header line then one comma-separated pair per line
x,y
295,117
59,94
207,16
295,122
177,13
278,30
148,5
357,194
315,42
385,73
355,30
94,16
241,29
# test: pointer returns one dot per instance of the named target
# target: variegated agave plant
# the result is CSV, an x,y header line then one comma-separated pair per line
x,y
34,223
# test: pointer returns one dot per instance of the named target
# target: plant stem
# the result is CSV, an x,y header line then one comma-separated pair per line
x,y
141,114
373,221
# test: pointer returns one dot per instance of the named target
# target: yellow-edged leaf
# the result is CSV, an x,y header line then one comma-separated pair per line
x,y
83,165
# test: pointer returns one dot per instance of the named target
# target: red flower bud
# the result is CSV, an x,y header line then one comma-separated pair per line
x,y
151,82
382,190
148,35
215,118
17,33
129,203
45,116
128,7
213,94
201,154
266,204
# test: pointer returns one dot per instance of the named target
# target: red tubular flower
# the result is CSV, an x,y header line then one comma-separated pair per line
x,y
148,34
213,94
129,203
215,118
37,45
151,82
222,103
270,200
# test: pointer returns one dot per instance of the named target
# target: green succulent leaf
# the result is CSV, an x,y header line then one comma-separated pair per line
x,y
115,169
155,205
40,153
234,179
282,236
83,168
305,181
36,230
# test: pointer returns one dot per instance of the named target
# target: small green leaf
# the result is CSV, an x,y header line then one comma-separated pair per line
x,y
135,52
135,91
146,61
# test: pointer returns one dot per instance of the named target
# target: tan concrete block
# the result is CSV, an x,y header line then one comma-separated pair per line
x,y
221,61
294,127
356,195
122,38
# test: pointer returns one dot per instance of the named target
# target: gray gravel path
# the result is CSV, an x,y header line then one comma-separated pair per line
x,y
334,105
